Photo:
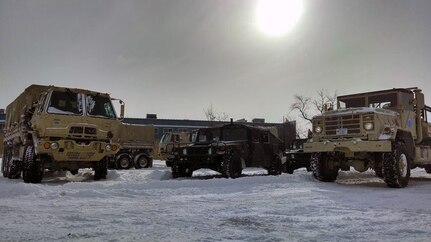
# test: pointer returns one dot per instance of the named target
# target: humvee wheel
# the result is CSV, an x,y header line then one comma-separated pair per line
x,y
32,171
428,169
396,166
124,162
142,162
287,168
179,170
100,169
323,167
231,165
276,166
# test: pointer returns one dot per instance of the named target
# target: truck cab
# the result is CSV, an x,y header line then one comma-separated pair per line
x,y
387,131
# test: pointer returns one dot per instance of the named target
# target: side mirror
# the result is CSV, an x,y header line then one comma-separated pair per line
x,y
122,109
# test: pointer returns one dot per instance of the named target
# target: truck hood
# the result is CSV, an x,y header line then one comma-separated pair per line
x,y
361,110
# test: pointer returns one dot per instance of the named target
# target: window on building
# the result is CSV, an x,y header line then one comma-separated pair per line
x,y
156,131
166,130
1,127
182,130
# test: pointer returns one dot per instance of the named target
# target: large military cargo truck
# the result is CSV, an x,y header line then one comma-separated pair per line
x,y
388,131
136,147
58,128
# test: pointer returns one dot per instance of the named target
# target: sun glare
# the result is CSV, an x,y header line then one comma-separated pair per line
x,y
276,17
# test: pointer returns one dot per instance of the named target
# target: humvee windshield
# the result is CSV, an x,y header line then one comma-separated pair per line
x,y
71,103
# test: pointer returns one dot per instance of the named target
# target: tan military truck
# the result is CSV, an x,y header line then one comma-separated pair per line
x,y
136,147
387,131
58,128
170,140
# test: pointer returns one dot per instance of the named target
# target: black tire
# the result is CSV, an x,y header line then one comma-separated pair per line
x,y
32,171
142,162
231,165
323,167
100,169
74,172
180,170
396,166
428,169
124,162
15,170
287,168
7,156
378,165
276,166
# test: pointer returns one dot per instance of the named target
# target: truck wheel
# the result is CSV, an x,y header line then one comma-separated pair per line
x,y
7,156
378,165
32,171
288,169
396,166
323,167
175,169
74,171
428,169
142,162
276,165
232,166
100,169
124,162
14,170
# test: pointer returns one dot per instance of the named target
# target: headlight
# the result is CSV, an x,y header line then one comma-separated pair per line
x,y
108,147
54,145
318,129
368,126
210,151
184,151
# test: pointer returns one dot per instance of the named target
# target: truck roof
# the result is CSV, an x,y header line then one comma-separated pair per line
x,y
404,90
30,95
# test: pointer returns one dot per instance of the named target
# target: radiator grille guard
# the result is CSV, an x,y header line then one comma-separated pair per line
x,y
343,126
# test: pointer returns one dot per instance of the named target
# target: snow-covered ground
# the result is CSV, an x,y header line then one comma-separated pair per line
x,y
148,205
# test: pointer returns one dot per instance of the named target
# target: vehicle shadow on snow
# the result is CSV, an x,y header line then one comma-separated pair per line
x,y
369,179
58,178
205,175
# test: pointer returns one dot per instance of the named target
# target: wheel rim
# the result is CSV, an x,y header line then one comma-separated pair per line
x,y
403,165
124,163
143,162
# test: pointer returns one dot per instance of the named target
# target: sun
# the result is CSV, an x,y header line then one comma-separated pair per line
x,y
277,17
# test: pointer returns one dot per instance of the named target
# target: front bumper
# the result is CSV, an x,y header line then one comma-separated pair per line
x,y
348,146
69,150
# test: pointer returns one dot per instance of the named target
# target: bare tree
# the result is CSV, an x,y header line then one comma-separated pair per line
x,y
212,115
307,107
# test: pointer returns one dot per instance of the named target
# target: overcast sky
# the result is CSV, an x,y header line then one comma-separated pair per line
x,y
175,58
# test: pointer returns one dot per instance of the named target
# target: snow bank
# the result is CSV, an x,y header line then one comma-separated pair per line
x,y
147,205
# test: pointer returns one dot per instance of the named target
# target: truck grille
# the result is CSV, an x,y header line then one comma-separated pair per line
x,y
82,132
197,151
350,122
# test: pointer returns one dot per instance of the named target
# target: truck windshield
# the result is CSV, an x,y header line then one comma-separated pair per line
x,y
65,103
98,105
